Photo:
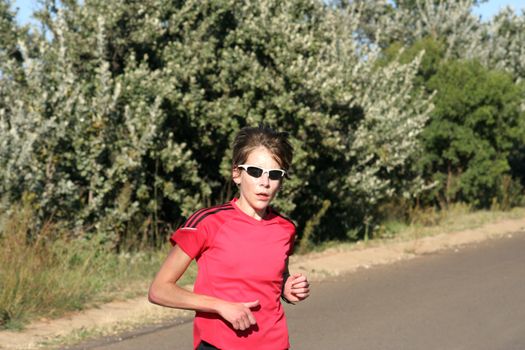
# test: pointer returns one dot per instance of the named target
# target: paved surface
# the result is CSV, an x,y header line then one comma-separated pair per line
x,y
468,298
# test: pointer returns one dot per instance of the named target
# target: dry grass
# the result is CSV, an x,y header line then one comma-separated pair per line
x,y
54,275
458,217
429,222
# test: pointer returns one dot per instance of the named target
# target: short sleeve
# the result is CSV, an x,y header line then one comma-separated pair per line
x,y
193,241
291,243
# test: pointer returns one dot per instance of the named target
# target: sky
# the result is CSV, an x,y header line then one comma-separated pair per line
x,y
486,10
492,7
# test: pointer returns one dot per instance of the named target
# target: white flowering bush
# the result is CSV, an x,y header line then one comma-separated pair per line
x,y
118,117
504,44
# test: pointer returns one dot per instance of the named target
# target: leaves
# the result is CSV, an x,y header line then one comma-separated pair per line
x,y
119,120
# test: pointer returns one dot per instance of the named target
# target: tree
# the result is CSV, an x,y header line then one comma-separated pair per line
x,y
126,115
504,44
10,32
476,124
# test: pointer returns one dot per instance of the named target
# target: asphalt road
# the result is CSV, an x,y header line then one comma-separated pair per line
x,y
467,298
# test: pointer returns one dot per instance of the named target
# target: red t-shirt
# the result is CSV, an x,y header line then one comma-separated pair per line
x,y
239,259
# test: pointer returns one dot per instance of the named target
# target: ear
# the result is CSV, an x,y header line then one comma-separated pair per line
x,y
236,175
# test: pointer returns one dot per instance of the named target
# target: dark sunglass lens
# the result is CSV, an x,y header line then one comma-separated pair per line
x,y
253,171
275,174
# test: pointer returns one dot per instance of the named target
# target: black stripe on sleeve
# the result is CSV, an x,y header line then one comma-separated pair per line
x,y
196,216
192,217
211,213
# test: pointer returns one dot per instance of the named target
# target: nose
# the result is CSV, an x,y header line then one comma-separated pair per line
x,y
265,179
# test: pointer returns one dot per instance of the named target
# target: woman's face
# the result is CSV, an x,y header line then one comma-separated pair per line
x,y
257,193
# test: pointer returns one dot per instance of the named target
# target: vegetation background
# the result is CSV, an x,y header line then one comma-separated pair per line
x,y
116,120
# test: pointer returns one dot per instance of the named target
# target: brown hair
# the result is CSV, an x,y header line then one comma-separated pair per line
x,y
250,138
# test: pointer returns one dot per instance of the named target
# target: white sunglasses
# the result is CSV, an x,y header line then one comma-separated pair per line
x,y
255,171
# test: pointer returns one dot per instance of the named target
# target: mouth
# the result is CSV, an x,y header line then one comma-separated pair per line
x,y
263,196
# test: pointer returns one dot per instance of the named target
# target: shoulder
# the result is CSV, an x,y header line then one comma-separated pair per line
x,y
208,215
283,219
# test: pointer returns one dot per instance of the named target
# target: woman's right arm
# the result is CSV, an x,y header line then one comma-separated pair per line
x,y
165,291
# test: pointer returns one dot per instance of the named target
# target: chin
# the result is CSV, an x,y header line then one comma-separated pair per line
x,y
261,205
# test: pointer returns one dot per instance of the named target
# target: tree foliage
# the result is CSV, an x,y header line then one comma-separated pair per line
x,y
122,119
473,130
473,137
117,117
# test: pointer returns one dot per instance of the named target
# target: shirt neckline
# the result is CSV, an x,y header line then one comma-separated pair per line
x,y
264,221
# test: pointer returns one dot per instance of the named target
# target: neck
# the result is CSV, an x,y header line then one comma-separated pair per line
x,y
248,210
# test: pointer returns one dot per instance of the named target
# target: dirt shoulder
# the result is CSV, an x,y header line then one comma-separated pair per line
x,y
116,317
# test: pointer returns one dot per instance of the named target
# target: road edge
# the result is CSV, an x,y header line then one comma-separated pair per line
x,y
112,319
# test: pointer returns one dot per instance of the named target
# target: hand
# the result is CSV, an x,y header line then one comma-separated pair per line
x,y
239,314
296,288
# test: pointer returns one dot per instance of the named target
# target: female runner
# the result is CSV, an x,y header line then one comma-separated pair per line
x,y
241,249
